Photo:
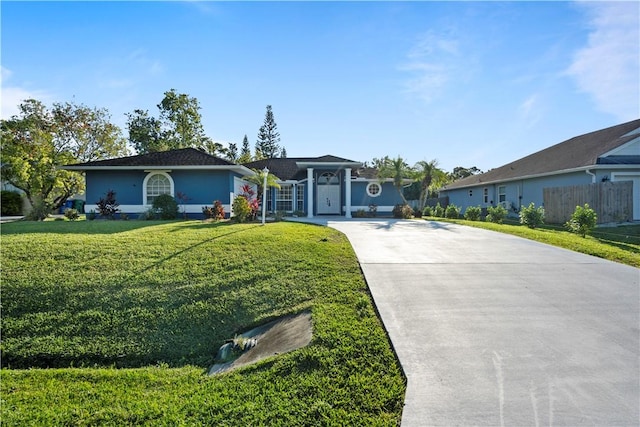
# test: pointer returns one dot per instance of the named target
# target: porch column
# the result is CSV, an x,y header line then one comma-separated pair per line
x,y
347,191
310,193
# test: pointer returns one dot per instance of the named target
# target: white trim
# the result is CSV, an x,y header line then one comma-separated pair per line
x,y
235,168
328,165
623,147
368,189
310,193
380,208
189,208
347,191
149,176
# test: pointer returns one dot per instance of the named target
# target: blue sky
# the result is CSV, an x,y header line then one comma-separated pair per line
x,y
466,83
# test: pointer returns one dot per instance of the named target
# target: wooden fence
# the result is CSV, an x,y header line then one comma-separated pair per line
x,y
612,201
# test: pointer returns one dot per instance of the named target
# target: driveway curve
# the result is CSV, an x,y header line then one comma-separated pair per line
x,y
497,330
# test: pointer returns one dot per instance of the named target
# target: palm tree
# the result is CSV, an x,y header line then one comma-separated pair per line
x,y
397,169
426,173
258,179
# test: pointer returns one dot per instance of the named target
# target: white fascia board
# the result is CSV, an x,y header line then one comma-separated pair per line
x,y
329,164
634,141
235,168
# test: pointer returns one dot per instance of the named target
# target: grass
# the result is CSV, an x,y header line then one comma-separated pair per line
x,y
620,244
116,322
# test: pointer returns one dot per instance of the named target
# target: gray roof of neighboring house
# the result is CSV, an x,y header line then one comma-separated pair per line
x,y
287,168
179,157
578,152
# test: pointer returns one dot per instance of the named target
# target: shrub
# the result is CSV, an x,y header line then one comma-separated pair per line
x,y
11,203
583,220
107,206
496,214
417,213
147,215
373,210
360,213
473,213
438,211
91,215
452,212
531,216
402,211
241,209
165,206
124,217
279,215
427,211
71,214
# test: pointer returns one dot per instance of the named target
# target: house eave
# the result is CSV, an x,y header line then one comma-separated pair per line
x,y
540,175
235,168
337,165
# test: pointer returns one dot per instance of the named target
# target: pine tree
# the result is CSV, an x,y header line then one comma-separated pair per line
x,y
245,151
232,152
268,136
283,153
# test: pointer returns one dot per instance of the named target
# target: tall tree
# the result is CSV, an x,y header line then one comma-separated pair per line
x,y
460,172
245,151
145,132
214,148
232,152
179,125
268,137
87,133
33,145
396,169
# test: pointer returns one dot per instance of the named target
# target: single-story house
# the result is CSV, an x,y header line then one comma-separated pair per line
x,y
605,156
309,186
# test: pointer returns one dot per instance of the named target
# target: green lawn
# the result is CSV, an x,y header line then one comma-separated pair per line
x,y
116,322
620,244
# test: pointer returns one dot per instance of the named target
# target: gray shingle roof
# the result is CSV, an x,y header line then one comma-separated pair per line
x,y
287,168
580,151
180,157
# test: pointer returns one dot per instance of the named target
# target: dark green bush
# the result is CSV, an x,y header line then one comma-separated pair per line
x,y
402,211
496,214
165,206
583,220
452,212
531,216
107,206
473,213
427,211
11,203
438,211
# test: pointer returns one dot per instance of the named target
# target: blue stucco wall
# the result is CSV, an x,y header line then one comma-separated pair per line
x,y
389,196
202,187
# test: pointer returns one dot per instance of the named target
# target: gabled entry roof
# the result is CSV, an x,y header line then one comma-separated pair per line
x,y
295,168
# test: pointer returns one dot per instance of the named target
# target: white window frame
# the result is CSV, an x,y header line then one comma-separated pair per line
x,y
300,197
287,199
485,195
372,194
145,194
502,193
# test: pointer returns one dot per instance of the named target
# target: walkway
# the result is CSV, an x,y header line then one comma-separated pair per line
x,y
496,330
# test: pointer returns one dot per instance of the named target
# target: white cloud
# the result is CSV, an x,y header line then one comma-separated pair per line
x,y
608,67
13,96
530,110
432,62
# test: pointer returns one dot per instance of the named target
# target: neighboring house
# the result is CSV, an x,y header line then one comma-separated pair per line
x,y
607,155
338,186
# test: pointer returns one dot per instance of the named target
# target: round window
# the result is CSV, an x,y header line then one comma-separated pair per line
x,y
374,189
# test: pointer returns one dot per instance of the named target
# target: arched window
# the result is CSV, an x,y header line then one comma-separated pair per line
x,y
328,178
155,184
374,189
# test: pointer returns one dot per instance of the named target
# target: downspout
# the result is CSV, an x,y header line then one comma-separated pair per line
x,y
593,176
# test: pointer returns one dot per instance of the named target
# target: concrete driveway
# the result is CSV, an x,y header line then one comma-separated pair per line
x,y
496,330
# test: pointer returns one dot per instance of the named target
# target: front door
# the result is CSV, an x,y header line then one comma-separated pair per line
x,y
329,194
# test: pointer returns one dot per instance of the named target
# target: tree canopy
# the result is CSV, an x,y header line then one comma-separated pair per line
x,y
39,140
179,125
